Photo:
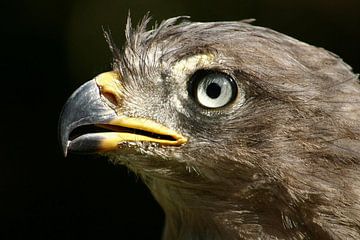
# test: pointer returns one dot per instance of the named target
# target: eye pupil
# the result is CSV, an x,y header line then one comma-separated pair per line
x,y
213,90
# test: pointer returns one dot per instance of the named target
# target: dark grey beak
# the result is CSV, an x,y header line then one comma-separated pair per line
x,y
85,106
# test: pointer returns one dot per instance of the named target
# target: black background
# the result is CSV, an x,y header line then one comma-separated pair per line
x,y
49,48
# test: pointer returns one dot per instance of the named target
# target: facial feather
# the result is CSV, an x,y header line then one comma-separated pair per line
x,y
281,161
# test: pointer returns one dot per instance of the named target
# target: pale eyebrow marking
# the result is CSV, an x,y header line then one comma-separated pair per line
x,y
189,64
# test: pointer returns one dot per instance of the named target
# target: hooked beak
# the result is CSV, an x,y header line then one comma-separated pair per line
x,y
89,123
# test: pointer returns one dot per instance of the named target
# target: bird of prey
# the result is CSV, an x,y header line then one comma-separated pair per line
x,y
239,131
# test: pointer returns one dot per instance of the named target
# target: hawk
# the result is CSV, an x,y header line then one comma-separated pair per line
x,y
239,131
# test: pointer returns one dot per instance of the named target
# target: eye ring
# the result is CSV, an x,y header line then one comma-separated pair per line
x,y
212,89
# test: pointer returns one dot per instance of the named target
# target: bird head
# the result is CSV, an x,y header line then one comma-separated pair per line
x,y
226,122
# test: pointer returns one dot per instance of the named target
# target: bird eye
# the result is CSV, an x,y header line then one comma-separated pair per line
x,y
213,89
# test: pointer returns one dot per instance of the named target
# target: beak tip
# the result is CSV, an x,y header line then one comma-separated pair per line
x,y
63,133
65,151
64,147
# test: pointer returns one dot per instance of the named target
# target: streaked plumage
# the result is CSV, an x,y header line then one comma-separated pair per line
x,y
280,161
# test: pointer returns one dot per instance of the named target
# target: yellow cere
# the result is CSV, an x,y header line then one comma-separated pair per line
x,y
110,84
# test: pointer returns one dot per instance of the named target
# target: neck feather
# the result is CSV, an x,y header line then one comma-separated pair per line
x,y
195,214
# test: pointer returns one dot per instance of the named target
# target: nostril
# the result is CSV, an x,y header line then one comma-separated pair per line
x,y
111,97
110,87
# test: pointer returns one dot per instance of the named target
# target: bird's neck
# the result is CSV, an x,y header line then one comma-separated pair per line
x,y
187,218
193,224
193,215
